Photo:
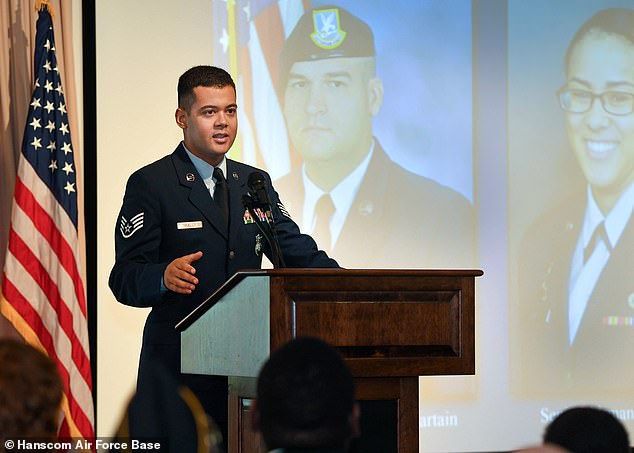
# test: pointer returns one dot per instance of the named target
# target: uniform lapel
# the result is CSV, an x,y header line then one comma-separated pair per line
x,y
199,195
555,284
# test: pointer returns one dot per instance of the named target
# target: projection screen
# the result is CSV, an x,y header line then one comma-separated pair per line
x,y
472,110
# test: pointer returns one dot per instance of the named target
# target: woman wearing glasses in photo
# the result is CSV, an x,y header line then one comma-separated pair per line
x,y
577,268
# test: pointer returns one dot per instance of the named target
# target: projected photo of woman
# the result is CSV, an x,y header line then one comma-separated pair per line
x,y
576,320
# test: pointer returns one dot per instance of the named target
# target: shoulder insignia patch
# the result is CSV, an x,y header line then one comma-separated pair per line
x,y
283,210
129,227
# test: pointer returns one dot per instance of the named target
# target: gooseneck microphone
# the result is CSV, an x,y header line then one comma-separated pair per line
x,y
258,186
258,198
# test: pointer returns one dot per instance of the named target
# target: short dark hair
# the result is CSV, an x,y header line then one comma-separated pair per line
x,y
586,429
206,76
305,397
615,21
30,392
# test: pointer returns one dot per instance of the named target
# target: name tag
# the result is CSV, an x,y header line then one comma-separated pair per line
x,y
189,225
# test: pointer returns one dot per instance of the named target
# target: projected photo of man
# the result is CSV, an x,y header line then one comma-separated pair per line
x,y
577,326
360,205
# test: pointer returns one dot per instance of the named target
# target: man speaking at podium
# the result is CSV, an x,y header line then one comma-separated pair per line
x,y
183,229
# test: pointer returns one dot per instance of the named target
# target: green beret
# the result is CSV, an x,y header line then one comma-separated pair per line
x,y
326,32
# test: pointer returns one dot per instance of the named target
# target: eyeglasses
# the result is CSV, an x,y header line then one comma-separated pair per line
x,y
580,101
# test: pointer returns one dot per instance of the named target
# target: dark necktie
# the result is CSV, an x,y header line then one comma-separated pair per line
x,y
221,194
599,233
323,215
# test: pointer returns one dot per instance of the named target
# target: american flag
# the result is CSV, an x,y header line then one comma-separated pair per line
x,y
42,289
248,36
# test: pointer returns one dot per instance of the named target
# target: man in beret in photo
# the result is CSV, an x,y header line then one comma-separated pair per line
x,y
347,192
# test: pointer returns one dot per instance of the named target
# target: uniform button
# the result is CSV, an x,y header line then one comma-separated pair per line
x,y
232,255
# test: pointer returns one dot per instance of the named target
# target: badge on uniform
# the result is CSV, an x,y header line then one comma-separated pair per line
x,y
259,246
129,227
194,224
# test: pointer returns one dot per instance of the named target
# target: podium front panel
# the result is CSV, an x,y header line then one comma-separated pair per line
x,y
231,339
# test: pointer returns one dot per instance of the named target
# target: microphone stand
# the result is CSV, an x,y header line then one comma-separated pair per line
x,y
267,229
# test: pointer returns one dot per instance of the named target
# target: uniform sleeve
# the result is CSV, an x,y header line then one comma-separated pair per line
x,y
299,250
136,276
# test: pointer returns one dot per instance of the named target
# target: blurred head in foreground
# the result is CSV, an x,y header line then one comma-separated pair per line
x,y
30,392
305,398
588,430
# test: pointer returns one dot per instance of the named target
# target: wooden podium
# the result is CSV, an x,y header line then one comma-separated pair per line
x,y
391,326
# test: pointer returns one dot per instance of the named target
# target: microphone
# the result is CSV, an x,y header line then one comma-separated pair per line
x,y
257,184
259,196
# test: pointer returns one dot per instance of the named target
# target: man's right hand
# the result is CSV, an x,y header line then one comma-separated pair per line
x,y
179,274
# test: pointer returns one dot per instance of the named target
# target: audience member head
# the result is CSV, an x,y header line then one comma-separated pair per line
x,y
588,430
30,392
305,398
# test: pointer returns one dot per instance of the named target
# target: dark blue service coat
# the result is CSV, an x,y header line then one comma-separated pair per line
x,y
596,364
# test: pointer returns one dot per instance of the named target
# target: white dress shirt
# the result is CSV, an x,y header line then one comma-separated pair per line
x,y
206,171
342,196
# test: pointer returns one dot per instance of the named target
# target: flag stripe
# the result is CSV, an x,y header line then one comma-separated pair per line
x,y
64,430
31,236
266,105
45,224
31,337
32,318
251,154
231,25
269,23
41,277
27,290
290,12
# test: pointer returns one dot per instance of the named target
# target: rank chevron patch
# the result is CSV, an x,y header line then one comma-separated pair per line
x,y
283,209
129,227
